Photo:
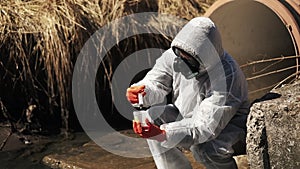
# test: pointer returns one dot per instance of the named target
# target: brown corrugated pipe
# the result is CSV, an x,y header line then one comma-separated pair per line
x,y
263,36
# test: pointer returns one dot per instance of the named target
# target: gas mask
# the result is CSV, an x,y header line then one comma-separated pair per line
x,y
184,63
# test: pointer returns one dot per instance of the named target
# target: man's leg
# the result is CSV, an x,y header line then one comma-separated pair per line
x,y
218,153
166,158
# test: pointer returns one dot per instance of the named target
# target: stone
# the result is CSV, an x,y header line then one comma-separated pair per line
x,y
256,142
273,139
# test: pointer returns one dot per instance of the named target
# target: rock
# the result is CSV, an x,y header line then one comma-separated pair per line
x,y
273,139
256,141
242,162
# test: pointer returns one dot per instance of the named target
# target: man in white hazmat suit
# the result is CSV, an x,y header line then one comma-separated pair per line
x,y
209,100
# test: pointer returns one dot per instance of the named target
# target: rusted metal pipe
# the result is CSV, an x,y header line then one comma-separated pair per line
x,y
256,30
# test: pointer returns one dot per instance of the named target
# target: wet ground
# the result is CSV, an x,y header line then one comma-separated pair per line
x,y
18,155
78,151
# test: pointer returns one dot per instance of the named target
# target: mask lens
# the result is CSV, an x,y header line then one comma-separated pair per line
x,y
177,52
185,63
192,63
180,65
186,57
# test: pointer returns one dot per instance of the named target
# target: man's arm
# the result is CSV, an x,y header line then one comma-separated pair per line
x,y
212,115
207,122
158,81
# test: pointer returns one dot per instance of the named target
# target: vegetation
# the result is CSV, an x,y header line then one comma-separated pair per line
x,y
39,43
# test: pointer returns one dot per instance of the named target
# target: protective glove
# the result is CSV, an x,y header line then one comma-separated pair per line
x,y
132,93
152,131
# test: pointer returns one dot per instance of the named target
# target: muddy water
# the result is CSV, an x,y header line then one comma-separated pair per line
x,y
17,155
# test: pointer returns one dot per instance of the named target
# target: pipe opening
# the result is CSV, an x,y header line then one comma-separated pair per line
x,y
253,32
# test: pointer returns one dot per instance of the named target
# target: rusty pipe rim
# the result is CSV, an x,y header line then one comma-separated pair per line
x,y
280,10
287,13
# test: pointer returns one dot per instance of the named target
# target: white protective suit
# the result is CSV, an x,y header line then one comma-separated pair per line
x,y
207,102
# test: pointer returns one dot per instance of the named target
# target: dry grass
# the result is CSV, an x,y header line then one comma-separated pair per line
x,y
187,9
40,40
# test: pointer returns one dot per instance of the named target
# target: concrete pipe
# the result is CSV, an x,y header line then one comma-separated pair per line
x,y
263,36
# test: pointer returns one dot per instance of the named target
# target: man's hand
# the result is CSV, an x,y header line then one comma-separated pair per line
x,y
153,132
132,93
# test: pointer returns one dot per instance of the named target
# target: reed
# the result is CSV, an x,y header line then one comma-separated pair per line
x,y
40,40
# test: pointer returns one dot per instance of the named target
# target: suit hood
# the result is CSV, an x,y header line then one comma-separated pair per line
x,y
201,39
